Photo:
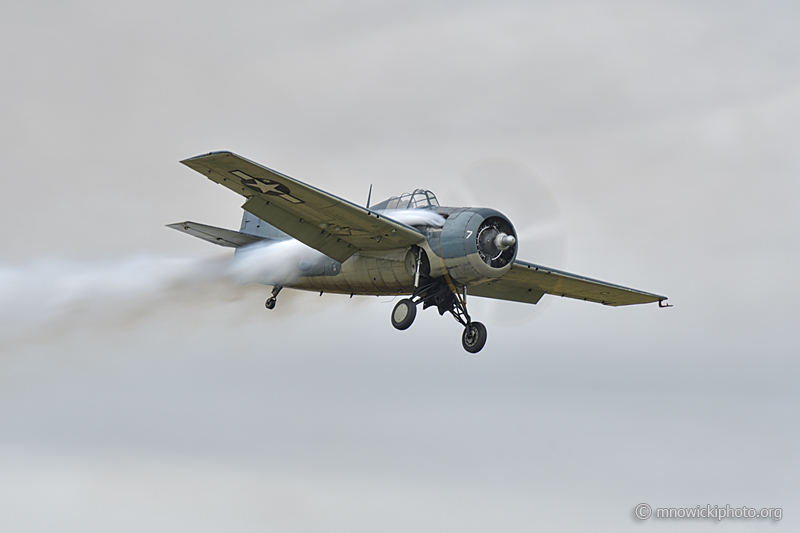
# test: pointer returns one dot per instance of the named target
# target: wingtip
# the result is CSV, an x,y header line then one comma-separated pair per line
x,y
203,156
178,225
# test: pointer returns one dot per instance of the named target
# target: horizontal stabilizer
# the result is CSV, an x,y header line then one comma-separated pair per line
x,y
223,237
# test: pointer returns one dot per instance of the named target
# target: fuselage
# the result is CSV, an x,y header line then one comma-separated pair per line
x,y
464,245
391,273
464,249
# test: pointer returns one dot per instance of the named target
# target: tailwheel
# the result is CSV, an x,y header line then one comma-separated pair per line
x,y
272,300
403,314
474,337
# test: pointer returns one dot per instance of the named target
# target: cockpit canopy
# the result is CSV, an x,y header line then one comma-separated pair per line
x,y
418,199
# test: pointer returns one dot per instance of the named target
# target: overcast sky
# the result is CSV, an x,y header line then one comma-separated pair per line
x,y
136,395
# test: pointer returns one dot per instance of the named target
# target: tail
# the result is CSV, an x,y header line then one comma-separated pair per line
x,y
253,230
252,225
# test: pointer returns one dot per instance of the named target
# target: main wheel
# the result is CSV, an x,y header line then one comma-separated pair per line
x,y
474,337
270,303
403,314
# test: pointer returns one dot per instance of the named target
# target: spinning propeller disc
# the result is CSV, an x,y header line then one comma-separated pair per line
x,y
521,195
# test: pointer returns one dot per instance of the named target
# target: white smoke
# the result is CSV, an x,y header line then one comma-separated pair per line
x,y
49,295
271,263
415,217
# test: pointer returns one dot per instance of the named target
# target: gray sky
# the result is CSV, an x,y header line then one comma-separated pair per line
x,y
131,400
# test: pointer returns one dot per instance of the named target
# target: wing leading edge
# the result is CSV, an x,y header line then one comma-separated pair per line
x,y
320,220
527,283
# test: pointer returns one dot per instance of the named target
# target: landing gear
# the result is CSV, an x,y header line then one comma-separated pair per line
x,y
447,299
272,300
474,337
404,313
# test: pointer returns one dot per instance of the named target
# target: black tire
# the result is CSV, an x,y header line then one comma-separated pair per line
x,y
474,337
403,314
270,303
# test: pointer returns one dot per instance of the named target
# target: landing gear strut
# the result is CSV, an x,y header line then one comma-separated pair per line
x,y
437,292
272,300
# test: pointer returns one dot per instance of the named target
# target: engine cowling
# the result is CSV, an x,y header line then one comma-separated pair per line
x,y
475,245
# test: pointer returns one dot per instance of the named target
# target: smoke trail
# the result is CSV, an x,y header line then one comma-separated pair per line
x,y
416,217
272,262
49,295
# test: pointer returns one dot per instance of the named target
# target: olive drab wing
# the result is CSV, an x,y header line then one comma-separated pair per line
x,y
316,218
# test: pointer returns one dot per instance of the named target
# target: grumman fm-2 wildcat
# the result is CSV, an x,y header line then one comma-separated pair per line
x,y
407,245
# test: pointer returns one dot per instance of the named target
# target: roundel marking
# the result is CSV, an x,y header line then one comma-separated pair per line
x,y
265,186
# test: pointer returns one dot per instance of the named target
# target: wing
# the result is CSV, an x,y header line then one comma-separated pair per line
x,y
329,224
527,283
223,237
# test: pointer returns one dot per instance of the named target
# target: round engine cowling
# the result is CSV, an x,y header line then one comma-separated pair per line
x,y
476,245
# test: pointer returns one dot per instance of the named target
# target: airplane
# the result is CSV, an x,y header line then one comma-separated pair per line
x,y
407,245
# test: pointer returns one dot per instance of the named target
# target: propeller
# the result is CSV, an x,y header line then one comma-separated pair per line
x,y
525,199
